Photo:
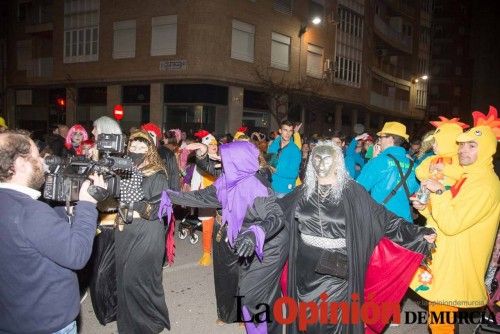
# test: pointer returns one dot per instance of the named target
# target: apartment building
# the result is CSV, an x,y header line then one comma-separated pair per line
x,y
451,60
218,64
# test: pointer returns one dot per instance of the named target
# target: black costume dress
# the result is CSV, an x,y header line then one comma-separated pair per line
x,y
139,251
257,281
310,284
364,223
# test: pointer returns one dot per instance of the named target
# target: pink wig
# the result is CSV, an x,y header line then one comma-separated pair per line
x,y
71,131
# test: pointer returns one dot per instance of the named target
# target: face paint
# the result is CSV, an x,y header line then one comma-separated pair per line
x,y
322,161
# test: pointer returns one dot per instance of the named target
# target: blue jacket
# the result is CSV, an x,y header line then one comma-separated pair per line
x,y
380,176
39,250
287,166
353,158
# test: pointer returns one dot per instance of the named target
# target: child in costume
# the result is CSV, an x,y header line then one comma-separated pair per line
x,y
443,166
202,180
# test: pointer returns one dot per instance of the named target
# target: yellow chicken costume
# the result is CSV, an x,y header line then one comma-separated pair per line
x,y
202,180
466,219
443,166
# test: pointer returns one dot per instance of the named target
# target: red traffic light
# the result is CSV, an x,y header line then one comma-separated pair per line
x,y
61,102
118,112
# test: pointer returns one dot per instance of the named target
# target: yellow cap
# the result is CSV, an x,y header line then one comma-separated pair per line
x,y
394,128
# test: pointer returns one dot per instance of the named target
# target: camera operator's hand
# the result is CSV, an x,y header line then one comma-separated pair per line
x,y
98,181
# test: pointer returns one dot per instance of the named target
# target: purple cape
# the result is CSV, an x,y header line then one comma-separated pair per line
x,y
238,187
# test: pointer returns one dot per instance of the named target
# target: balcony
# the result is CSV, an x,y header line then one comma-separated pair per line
x,y
393,74
388,103
40,68
391,36
401,7
39,18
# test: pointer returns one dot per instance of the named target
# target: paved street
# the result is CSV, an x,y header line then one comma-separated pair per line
x,y
189,290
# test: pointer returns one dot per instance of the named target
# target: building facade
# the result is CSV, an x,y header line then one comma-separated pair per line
x,y
451,62
217,64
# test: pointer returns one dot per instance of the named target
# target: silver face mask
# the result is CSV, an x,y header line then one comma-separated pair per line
x,y
322,160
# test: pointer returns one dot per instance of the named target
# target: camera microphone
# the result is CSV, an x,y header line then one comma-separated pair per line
x,y
116,162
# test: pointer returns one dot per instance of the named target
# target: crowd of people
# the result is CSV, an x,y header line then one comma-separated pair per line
x,y
321,219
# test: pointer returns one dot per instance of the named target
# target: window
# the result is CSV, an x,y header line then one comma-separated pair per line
x,y
23,50
81,30
349,45
435,90
350,22
124,39
314,61
164,35
423,66
421,94
280,51
425,37
23,8
283,6
348,71
458,70
426,6
407,30
242,44
457,91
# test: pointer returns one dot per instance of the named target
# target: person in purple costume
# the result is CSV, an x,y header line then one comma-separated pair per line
x,y
252,231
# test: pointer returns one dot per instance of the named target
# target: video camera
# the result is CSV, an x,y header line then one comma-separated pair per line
x,y
66,176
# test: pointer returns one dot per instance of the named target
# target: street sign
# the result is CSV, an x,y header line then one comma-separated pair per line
x,y
118,112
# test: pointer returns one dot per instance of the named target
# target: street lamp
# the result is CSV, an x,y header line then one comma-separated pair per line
x,y
422,77
316,12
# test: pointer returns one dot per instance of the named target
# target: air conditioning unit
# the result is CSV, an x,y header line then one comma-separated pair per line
x,y
381,52
328,65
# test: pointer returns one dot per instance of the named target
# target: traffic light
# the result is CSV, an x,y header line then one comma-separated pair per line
x,y
61,102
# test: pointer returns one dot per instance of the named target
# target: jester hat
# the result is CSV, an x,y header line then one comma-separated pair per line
x,y
446,133
205,137
485,133
241,134
153,130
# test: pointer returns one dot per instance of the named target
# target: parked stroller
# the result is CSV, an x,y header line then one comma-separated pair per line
x,y
188,226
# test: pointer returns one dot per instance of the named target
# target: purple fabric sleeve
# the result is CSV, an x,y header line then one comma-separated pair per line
x,y
260,236
165,207
251,327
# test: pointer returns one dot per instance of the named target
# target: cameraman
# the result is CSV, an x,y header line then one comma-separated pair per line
x,y
39,248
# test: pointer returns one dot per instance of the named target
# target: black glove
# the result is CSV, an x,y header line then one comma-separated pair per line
x,y
245,244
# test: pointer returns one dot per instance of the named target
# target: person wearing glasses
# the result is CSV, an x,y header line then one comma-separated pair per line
x,y
390,177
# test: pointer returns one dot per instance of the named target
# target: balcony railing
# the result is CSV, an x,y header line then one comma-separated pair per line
x,y
402,7
393,37
393,71
40,68
388,103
